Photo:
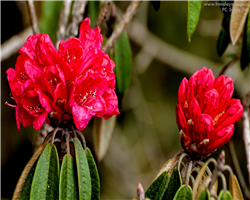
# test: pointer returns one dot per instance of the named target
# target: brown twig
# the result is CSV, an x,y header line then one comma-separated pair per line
x,y
11,46
236,166
126,18
227,66
32,14
103,12
77,16
64,16
246,130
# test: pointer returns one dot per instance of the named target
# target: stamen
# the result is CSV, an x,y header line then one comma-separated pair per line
x,y
218,117
10,105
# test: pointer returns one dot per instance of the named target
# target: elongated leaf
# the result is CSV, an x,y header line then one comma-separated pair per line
x,y
93,11
95,181
248,34
68,180
157,189
25,194
204,195
123,63
156,4
102,133
50,16
45,184
173,186
84,180
244,59
25,172
167,166
223,41
238,18
194,9
225,196
183,193
235,188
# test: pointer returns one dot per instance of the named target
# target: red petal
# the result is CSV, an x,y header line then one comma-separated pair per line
x,y
210,101
111,104
182,92
88,36
193,109
38,122
180,119
203,127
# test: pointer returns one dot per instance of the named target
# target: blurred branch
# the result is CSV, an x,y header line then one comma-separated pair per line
x,y
77,16
246,131
42,133
180,60
237,169
103,12
32,14
64,16
11,46
227,66
126,18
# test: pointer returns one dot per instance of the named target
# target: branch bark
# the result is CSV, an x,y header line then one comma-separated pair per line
x,y
126,18
246,131
32,14
77,16
103,12
64,16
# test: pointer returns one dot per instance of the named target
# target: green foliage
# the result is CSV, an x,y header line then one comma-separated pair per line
x,y
93,11
225,196
248,34
157,189
123,63
173,186
25,194
204,195
95,182
84,180
156,5
244,59
68,180
50,17
45,184
194,9
183,193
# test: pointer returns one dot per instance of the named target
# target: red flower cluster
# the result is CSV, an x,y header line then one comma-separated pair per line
x,y
65,87
206,113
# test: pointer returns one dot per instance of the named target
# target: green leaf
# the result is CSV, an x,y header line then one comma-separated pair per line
x,y
156,5
84,180
93,11
194,9
68,181
45,184
95,182
225,196
49,19
204,195
223,41
244,59
25,194
183,193
123,62
157,189
173,186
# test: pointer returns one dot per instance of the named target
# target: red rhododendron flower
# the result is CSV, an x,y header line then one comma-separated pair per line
x,y
64,88
206,113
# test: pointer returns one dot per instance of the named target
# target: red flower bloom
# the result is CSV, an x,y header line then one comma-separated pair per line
x,y
206,113
65,87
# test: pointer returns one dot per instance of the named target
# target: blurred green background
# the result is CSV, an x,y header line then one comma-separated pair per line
x,y
146,134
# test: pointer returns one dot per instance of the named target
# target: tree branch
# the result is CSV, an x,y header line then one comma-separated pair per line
x,y
64,16
77,16
32,14
103,12
246,130
11,46
126,18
